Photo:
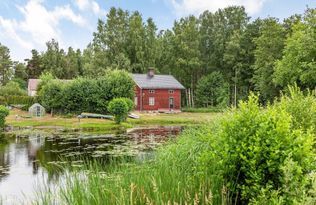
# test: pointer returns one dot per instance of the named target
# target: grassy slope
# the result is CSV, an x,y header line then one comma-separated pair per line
x,y
99,124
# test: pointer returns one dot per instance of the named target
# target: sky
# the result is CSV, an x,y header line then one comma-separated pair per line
x,y
29,24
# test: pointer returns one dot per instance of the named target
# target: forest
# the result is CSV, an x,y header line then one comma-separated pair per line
x,y
220,57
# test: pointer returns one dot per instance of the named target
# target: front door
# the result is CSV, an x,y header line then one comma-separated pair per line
x,y
171,103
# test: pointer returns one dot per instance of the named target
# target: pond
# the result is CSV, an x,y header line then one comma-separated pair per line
x,y
29,161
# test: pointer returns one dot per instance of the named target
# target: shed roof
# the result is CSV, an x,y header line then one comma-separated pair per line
x,y
157,81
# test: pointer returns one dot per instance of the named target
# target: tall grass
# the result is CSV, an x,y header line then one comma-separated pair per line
x,y
173,177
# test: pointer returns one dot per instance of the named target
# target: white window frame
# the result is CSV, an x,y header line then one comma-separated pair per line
x,y
171,91
136,101
151,101
151,91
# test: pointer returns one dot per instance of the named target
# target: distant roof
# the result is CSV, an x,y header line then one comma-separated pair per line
x,y
33,83
157,81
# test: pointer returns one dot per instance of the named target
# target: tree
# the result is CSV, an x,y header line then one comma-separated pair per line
x,y
20,74
6,71
269,46
136,43
212,90
34,66
298,63
186,51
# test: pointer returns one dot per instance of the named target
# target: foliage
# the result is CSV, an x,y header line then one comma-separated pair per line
x,y
202,110
119,107
86,94
298,62
212,90
258,145
130,104
45,78
18,100
302,107
269,47
6,64
51,95
12,88
3,113
253,155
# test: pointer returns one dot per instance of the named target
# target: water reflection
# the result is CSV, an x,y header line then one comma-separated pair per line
x,y
27,161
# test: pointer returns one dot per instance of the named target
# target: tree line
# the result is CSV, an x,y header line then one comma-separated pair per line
x,y
226,50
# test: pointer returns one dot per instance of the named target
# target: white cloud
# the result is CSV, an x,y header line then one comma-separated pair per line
x,y
38,24
90,5
7,28
185,7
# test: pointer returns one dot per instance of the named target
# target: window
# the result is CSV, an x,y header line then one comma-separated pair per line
x,y
171,91
136,101
151,91
151,101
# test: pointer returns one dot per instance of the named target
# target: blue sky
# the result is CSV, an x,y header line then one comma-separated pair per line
x,y
28,24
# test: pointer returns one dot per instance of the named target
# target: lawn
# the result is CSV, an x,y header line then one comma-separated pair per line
x,y
146,119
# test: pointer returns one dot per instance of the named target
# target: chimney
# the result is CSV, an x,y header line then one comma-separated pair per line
x,y
151,72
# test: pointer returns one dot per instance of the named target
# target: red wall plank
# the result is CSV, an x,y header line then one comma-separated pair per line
x,y
161,99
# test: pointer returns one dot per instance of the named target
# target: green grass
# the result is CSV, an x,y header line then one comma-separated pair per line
x,y
60,122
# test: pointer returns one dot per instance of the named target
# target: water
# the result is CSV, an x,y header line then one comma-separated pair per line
x,y
29,161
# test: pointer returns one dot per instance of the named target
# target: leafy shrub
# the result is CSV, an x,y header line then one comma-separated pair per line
x,y
51,95
3,113
119,108
44,79
302,107
256,145
12,88
87,95
130,104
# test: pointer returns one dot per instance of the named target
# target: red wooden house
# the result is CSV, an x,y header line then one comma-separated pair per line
x,y
157,92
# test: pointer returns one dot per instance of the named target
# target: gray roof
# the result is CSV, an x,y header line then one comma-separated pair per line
x,y
157,81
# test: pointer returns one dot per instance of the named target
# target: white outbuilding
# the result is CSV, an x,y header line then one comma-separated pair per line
x,y
37,110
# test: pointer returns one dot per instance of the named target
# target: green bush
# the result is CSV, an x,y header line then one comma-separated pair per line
x,y
130,104
3,113
119,108
12,88
301,106
51,95
86,94
262,150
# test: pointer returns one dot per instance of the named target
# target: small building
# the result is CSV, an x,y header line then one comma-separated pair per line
x,y
36,110
32,87
157,92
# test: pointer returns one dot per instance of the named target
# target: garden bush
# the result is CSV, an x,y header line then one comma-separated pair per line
x,y
12,88
119,108
86,94
260,151
3,113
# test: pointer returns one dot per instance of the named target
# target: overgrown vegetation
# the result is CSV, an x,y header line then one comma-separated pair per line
x,y
252,155
86,94
3,113
119,107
